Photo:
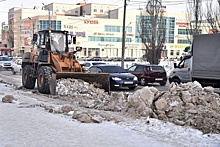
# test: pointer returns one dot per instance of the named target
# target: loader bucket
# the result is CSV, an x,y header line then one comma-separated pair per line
x,y
100,80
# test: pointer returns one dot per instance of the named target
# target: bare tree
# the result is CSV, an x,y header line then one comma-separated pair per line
x,y
194,17
152,31
213,15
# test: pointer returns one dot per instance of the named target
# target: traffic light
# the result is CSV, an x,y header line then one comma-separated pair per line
x,y
74,39
35,37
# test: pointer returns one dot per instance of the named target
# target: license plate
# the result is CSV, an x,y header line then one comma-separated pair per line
x,y
128,82
159,79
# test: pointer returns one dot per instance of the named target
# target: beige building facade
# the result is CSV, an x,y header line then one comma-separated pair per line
x,y
98,28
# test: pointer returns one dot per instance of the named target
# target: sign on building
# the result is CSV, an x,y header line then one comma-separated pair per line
x,y
5,28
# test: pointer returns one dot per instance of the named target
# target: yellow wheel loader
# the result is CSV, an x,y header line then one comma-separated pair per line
x,y
52,60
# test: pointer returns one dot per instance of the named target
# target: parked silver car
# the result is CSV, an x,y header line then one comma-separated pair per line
x,y
5,63
16,65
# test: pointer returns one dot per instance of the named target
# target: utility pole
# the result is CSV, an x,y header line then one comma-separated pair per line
x,y
44,8
123,36
49,19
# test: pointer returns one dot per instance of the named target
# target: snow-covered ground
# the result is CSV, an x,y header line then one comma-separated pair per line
x,y
25,124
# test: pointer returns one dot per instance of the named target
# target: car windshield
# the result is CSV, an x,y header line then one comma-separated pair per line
x,y
113,69
5,59
57,42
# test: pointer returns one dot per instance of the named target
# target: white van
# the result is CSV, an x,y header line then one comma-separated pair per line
x,y
182,72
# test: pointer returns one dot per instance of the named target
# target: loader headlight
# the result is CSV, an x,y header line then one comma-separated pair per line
x,y
135,78
116,78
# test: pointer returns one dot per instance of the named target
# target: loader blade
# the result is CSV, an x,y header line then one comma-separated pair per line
x,y
100,80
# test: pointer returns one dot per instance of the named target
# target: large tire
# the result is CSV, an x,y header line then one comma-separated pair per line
x,y
43,79
27,80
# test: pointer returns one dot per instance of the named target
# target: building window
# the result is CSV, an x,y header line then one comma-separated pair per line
x,y
117,29
95,10
44,24
171,52
107,39
101,11
182,32
76,11
183,41
178,52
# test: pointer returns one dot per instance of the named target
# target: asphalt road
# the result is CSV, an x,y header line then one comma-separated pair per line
x,y
16,80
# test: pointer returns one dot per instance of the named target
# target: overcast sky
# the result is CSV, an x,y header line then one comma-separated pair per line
x,y
5,5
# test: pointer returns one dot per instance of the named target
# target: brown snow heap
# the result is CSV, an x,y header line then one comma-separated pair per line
x,y
186,104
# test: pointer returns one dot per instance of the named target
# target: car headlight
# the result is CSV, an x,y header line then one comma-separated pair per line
x,y
135,78
116,78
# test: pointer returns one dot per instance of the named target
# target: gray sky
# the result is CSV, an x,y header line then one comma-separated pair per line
x,y
5,5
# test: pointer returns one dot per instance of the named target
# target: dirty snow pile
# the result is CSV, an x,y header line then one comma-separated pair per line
x,y
186,104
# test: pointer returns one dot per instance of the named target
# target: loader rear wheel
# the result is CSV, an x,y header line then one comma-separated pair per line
x,y
43,79
27,80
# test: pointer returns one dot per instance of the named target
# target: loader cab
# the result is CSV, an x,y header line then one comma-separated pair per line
x,y
53,40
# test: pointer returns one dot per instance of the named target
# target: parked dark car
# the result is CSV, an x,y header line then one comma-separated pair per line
x,y
149,74
87,64
118,76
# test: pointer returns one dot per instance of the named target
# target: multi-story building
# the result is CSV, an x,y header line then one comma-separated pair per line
x,y
98,28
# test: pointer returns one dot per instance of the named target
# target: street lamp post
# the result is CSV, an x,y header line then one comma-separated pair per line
x,y
48,15
123,36
33,24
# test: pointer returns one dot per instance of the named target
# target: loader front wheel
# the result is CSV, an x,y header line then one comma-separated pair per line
x,y
43,79
27,80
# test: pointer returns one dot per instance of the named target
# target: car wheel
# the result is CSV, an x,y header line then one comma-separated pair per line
x,y
143,81
132,88
13,71
163,83
176,81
